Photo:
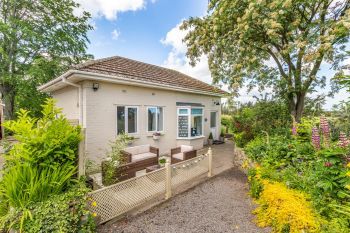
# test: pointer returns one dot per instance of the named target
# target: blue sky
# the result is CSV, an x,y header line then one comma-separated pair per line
x,y
147,30
140,31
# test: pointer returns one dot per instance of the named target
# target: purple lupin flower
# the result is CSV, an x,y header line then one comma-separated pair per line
x,y
294,130
343,141
325,130
316,138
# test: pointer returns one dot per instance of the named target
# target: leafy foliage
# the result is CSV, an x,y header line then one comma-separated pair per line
x,y
239,37
323,174
38,41
40,144
265,116
227,123
40,172
115,158
24,184
59,213
285,210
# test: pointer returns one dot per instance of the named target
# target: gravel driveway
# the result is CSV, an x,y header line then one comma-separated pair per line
x,y
218,205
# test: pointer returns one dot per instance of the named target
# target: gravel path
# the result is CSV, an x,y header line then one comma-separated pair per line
x,y
218,205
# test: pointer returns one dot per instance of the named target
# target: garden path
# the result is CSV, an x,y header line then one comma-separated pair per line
x,y
220,204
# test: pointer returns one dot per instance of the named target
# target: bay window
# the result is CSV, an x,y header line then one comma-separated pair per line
x,y
155,119
190,122
127,117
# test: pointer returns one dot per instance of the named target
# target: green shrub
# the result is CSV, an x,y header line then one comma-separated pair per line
x,y
46,142
253,120
227,123
256,187
60,213
115,158
322,174
39,178
24,184
305,128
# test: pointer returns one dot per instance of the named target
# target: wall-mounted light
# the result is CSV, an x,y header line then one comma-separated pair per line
x,y
216,102
95,86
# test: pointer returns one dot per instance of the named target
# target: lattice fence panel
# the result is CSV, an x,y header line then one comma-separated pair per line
x,y
117,199
188,170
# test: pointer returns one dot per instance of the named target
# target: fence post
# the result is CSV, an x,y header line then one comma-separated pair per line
x,y
210,162
167,179
81,157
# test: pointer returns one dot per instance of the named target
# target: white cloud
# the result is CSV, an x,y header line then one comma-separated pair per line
x,y
177,59
115,34
110,8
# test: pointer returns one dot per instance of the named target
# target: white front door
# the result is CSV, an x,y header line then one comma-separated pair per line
x,y
213,124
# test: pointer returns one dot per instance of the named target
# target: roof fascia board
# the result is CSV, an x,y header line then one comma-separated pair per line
x,y
122,80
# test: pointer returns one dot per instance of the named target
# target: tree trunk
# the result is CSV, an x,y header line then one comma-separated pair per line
x,y
8,95
300,106
296,104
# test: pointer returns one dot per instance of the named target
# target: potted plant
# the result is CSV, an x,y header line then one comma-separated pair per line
x,y
162,161
210,139
156,136
130,140
222,135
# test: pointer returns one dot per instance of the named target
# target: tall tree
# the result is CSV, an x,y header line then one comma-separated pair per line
x,y
38,39
243,37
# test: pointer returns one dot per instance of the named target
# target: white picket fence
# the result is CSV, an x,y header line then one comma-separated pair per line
x,y
115,200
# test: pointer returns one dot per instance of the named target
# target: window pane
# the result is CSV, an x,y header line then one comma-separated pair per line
x,y
132,120
182,126
196,111
212,119
152,119
196,123
160,119
183,111
120,120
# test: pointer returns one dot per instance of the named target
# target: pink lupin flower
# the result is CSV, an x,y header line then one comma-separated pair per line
x,y
316,138
294,130
343,141
325,130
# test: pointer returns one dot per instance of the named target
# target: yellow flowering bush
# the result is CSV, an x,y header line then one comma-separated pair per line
x,y
245,164
282,208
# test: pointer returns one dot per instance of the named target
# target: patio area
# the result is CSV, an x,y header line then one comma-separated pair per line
x,y
223,156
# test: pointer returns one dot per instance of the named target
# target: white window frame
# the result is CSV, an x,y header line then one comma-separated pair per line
x,y
189,115
157,109
126,107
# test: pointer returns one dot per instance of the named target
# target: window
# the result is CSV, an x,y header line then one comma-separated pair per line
x,y
155,119
190,122
212,119
126,119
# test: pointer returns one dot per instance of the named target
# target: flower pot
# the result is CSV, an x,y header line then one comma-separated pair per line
x,y
156,137
210,141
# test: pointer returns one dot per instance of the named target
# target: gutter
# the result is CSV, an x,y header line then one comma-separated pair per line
x,y
123,80
80,98
127,81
